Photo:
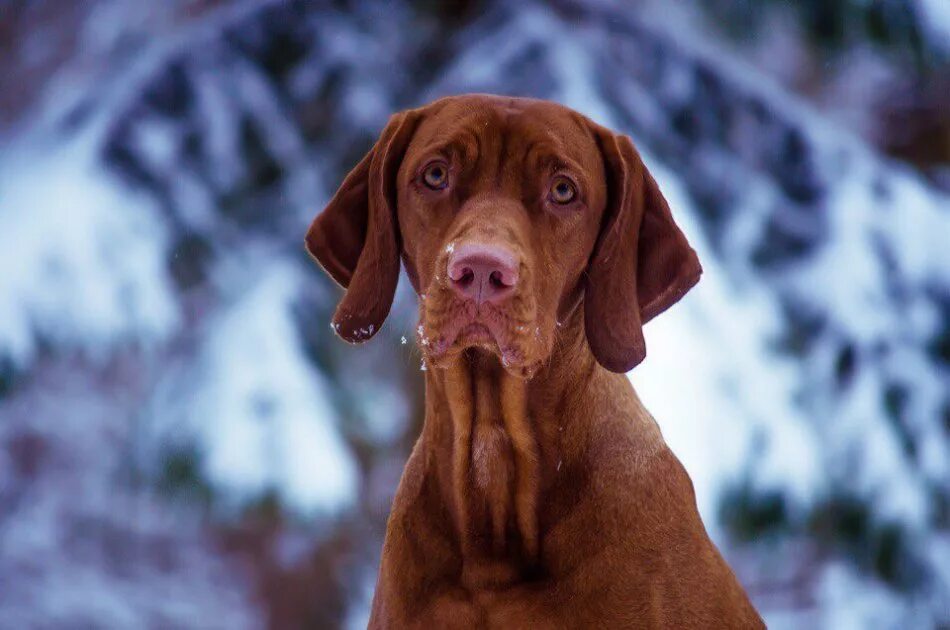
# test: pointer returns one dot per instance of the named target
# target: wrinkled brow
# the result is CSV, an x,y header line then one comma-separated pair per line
x,y
548,157
464,147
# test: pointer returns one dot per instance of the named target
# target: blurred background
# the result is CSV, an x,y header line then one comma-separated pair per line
x,y
184,443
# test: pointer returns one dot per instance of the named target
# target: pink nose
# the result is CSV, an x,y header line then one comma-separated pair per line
x,y
483,273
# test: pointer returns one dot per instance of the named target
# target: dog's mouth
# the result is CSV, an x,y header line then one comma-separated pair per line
x,y
476,334
517,344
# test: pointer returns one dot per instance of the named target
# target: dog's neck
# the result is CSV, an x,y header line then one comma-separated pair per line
x,y
499,442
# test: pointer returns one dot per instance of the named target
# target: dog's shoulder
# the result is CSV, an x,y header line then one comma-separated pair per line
x,y
628,462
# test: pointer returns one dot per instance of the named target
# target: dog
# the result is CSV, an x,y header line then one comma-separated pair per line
x,y
540,493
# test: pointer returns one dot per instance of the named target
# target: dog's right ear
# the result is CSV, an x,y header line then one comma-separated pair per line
x,y
355,239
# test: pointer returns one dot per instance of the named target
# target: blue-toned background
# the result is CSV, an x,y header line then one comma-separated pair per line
x,y
184,443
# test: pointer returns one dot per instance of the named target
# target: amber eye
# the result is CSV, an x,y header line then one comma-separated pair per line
x,y
563,191
436,175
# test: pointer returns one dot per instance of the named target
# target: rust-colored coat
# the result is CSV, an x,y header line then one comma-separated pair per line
x,y
541,493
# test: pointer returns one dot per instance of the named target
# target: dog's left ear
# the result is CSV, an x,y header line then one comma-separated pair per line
x,y
641,264
356,237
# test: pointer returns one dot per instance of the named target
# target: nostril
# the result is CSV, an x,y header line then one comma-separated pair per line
x,y
496,280
467,277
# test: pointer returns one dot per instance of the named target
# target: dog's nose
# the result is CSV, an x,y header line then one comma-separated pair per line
x,y
483,273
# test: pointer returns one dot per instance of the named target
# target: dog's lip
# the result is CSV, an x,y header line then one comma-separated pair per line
x,y
475,329
478,331
470,331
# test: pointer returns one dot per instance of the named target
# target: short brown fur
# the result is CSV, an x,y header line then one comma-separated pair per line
x,y
541,493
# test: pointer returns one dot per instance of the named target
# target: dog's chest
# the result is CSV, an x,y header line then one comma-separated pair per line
x,y
491,513
494,474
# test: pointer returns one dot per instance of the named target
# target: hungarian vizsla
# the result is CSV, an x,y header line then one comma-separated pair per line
x,y
541,493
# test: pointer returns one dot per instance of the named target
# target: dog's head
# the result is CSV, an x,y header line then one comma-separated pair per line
x,y
508,214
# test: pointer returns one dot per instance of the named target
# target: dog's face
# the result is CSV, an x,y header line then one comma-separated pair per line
x,y
499,209
508,213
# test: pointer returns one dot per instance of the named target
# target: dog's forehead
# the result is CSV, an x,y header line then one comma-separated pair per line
x,y
513,119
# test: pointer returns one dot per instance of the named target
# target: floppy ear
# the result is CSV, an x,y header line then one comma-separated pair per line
x,y
355,238
641,264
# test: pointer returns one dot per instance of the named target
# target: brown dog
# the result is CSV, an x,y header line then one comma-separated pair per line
x,y
540,493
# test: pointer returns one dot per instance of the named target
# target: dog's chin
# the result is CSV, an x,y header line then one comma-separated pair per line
x,y
513,350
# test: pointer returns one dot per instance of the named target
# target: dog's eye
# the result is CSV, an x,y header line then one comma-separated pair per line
x,y
563,191
436,175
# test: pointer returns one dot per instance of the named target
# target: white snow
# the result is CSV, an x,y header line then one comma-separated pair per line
x,y
81,543
82,258
936,21
722,398
259,411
